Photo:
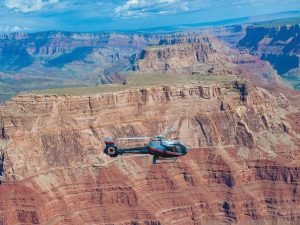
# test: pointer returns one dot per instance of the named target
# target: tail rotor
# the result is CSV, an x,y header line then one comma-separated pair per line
x,y
110,148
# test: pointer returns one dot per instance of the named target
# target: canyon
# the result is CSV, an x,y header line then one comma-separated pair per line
x,y
56,59
228,104
279,45
242,167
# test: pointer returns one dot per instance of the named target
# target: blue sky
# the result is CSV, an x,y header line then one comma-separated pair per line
x,y
97,15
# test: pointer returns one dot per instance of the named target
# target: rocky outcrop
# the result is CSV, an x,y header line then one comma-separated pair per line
x,y
55,171
184,55
278,45
202,55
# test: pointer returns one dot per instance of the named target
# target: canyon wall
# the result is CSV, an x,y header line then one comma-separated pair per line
x,y
201,56
59,59
279,45
180,55
242,168
64,59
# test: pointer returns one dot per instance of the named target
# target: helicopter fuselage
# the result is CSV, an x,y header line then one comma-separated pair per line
x,y
158,147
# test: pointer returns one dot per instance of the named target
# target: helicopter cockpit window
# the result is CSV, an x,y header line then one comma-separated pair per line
x,y
174,149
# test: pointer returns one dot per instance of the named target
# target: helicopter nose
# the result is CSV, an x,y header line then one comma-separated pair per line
x,y
185,151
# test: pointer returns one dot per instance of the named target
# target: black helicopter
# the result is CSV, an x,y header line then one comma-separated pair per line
x,y
158,147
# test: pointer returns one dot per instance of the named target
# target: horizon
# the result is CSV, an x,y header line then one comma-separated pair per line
x,y
135,15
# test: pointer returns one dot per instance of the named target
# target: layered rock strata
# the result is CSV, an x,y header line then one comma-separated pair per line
x,y
242,168
279,45
201,56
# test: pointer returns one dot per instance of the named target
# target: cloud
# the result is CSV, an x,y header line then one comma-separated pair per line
x,y
27,6
252,3
15,29
12,28
145,8
93,15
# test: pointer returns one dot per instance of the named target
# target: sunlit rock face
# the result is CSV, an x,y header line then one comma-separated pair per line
x,y
243,167
201,56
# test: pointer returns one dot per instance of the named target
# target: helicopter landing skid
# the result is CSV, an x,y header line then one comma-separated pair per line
x,y
155,159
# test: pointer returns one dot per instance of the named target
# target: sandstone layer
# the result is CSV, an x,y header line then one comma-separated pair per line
x,y
243,168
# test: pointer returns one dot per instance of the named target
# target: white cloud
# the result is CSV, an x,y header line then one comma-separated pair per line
x,y
15,29
144,8
252,3
12,28
27,6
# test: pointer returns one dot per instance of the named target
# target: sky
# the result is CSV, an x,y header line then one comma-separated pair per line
x,y
109,15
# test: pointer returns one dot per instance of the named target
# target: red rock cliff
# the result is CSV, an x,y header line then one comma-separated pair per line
x,y
243,171
204,55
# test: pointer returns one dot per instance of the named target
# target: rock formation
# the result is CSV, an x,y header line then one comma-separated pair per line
x,y
278,45
59,59
181,55
204,55
63,59
243,168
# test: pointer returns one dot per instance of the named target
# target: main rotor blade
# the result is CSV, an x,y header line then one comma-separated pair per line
x,y
170,129
135,138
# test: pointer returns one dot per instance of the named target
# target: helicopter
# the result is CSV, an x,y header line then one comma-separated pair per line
x,y
158,146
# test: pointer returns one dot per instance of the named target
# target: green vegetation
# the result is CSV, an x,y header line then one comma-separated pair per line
x,y
143,80
272,23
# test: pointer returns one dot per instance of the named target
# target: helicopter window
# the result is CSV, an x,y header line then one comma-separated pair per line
x,y
174,149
